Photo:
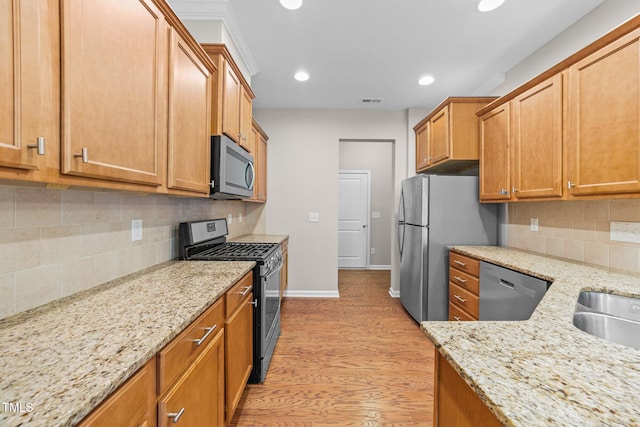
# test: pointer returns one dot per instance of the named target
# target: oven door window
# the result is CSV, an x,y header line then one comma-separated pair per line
x,y
272,300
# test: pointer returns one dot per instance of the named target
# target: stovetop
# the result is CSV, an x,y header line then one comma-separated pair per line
x,y
240,251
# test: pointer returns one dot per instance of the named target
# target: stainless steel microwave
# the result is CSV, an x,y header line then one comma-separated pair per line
x,y
232,170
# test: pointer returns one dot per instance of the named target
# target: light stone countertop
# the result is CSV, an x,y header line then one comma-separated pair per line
x,y
260,238
544,371
65,357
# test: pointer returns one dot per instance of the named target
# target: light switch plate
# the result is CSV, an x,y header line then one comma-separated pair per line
x,y
229,219
314,217
136,230
534,224
375,215
625,231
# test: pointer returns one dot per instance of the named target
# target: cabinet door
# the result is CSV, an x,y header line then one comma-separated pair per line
x,y
604,133
189,119
27,80
239,353
197,398
537,141
422,147
494,155
439,136
114,95
231,103
132,405
245,120
261,169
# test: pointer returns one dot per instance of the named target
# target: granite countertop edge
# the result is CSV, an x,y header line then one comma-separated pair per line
x,y
79,359
544,371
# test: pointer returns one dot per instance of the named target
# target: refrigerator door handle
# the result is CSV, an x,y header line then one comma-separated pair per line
x,y
400,237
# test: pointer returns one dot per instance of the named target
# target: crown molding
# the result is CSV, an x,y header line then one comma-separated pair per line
x,y
218,10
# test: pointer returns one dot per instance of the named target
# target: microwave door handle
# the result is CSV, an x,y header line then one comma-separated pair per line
x,y
253,175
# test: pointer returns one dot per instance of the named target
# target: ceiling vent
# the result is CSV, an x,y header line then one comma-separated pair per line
x,y
371,100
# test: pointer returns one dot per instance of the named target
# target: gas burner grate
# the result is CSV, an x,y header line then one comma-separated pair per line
x,y
238,250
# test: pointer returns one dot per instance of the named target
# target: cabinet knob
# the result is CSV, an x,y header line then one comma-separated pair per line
x,y
570,185
84,153
39,145
175,416
514,190
503,192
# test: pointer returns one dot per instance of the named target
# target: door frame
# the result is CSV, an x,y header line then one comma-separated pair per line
x,y
368,218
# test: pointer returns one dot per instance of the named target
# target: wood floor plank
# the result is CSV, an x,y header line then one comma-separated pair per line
x,y
358,360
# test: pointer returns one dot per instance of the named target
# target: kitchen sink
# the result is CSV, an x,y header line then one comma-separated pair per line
x,y
611,317
614,305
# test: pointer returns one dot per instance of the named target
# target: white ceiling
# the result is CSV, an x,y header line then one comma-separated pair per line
x,y
356,49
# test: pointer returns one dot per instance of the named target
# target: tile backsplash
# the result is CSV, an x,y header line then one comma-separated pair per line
x,y
54,243
578,230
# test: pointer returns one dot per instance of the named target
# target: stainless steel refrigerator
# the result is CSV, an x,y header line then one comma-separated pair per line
x,y
437,211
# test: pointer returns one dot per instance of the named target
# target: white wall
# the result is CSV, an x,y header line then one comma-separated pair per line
x,y
303,153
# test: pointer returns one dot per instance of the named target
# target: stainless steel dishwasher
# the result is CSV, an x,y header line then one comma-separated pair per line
x,y
508,295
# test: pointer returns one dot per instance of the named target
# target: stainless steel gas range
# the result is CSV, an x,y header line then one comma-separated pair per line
x,y
206,241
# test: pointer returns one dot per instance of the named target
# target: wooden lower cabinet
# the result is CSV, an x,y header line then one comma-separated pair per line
x,y
464,287
197,398
132,405
455,403
284,273
238,342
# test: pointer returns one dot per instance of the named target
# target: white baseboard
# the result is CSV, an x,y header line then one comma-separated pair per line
x,y
394,293
379,267
311,294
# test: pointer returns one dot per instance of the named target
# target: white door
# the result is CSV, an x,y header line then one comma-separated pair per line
x,y
353,212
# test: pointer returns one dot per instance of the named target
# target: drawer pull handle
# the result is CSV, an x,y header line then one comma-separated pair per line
x,y
460,263
246,290
459,298
460,279
457,318
204,337
176,415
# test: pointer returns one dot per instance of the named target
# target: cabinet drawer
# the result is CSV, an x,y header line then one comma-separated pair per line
x,y
129,406
464,263
463,299
175,357
238,293
464,280
458,314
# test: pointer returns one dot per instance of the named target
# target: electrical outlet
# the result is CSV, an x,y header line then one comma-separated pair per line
x,y
314,217
534,224
240,217
136,230
373,251
229,219
625,231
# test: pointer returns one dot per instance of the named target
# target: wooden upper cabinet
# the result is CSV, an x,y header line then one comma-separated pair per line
x,y
189,119
439,147
537,141
232,97
231,104
451,142
28,82
114,90
603,155
422,147
495,176
246,116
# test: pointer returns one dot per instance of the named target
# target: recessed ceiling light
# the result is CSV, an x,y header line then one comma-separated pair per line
x,y
426,80
489,5
301,76
291,4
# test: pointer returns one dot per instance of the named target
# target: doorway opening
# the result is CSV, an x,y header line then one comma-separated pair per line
x,y
376,157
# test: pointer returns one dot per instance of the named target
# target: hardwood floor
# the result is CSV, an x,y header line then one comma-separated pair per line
x,y
357,360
